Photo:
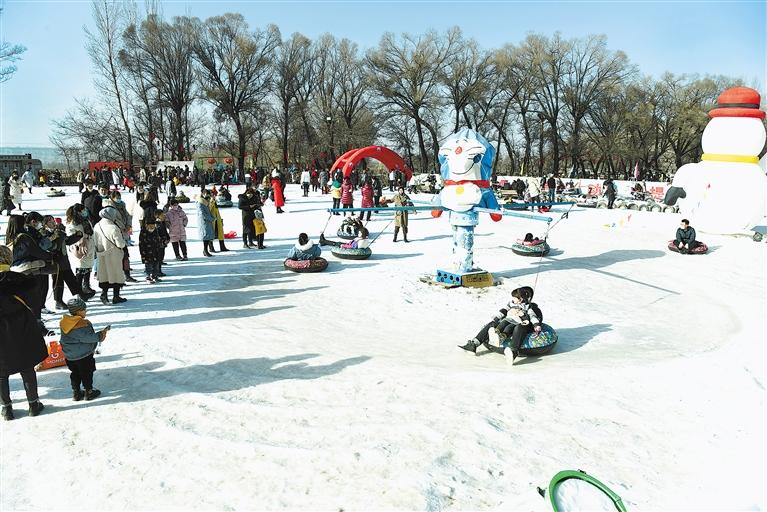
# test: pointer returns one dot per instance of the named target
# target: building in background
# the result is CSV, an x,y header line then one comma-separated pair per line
x,y
19,162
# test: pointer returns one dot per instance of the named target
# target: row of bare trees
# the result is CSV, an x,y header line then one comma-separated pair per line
x,y
171,89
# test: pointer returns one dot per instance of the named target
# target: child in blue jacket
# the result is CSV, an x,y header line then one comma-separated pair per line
x,y
79,342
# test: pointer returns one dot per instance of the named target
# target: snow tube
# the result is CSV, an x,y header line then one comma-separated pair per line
x,y
577,490
182,199
222,203
55,193
306,266
700,249
537,344
351,254
541,248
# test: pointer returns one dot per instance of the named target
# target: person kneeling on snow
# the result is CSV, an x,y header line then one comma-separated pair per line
x,y
685,237
517,320
305,249
361,242
79,342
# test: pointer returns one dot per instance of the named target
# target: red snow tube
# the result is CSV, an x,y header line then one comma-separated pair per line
x,y
306,266
700,249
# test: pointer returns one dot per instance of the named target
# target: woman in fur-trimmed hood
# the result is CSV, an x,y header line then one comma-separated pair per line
x,y
304,249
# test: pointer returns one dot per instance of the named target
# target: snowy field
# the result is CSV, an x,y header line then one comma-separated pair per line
x,y
235,384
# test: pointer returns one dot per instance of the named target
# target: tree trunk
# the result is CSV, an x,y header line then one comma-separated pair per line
x,y
421,147
555,148
528,142
285,124
240,143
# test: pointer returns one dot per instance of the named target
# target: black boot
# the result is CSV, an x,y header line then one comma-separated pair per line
x,y
77,395
222,247
492,348
104,296
58,294
470,346
35,408
245,241
7,412
404,234
210,246
251,241
396,232
116,299
205,249
90,394
86,286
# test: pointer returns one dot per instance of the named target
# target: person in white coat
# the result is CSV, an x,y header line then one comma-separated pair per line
x,y
306,180
28,178
533,190
109,251
17,188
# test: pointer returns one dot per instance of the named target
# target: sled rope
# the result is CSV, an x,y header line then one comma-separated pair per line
x,y
381,232
326,223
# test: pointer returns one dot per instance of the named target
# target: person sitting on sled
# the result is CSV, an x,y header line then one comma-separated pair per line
x,y
685,237
517,320
529,239
361,242
305,249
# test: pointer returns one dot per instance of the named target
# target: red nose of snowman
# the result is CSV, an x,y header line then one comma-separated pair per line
x,y
738,102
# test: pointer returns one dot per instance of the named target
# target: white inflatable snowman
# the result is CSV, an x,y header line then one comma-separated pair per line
x,y
725,192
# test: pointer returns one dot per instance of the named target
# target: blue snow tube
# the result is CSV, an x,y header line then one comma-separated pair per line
x,y
351,254
537,344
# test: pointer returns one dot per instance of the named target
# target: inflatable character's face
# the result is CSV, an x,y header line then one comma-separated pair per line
x,y
466,155
462,158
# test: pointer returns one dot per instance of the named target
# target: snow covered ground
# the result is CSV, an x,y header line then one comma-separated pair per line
x,y
238,385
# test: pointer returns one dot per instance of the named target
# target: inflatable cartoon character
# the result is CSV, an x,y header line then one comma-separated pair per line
x,y
466,159
725,192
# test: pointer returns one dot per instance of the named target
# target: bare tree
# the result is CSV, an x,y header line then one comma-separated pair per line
x,y
548,61
235,69
467,75
9,53
103,45
592,70
293,59
406,74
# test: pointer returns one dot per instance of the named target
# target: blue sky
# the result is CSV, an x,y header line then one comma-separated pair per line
x,y
683,37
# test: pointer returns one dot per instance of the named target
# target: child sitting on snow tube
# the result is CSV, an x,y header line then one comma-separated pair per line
x,y
530,246
305,256
357,249
520,318
350,228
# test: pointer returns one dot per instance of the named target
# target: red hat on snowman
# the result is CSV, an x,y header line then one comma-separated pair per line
x,y
738,102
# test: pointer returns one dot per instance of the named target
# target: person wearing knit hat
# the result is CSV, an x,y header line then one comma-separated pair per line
x,y
79,342
21,340
75,305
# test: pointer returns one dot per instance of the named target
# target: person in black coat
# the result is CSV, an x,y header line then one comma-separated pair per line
x,y
249,202
21,341
685,237
91,199
56,234
609,191
6,202
149,204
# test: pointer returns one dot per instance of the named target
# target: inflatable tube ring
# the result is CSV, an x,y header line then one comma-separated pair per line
x,y
224,204
536,344
530,250
351,254
306,266
700,249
